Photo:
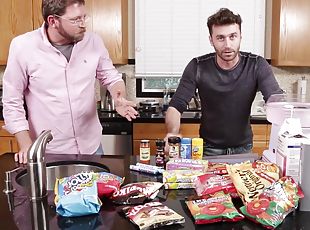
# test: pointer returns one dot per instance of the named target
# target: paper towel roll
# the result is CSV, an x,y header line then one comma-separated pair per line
x,y
305,177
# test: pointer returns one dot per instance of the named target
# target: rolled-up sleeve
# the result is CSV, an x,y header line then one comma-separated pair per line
x,y
15,82
106,72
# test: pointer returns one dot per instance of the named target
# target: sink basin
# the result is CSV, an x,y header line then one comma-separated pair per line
x,y
61,169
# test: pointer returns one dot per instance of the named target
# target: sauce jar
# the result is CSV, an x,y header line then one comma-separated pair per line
x,y
145,151
174,147
160,159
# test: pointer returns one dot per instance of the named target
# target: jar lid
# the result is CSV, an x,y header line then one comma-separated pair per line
x,y
174,140
160,142
145,141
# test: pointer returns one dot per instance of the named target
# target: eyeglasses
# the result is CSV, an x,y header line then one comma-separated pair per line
x,y
77,21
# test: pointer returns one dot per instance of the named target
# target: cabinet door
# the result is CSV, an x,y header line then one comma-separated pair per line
x,y
5,145
37,13
290,33
16,19
109,19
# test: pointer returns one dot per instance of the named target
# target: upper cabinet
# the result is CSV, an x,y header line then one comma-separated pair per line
x,y
290,33
15,19
109,19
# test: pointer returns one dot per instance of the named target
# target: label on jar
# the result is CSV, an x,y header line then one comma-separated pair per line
x,y
174,151
145,154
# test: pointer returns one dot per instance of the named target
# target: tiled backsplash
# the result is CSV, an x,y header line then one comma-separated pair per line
x,y
286,76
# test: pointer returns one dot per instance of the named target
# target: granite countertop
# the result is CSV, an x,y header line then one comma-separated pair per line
x,y
187,117
109,218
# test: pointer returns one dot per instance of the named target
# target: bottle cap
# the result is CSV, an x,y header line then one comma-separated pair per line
x,y
186,140
160,142
174,140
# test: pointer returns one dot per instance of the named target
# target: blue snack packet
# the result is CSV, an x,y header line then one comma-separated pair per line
x,y
77,195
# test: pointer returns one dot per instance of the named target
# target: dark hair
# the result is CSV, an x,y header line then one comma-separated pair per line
x,y
51,7
223,17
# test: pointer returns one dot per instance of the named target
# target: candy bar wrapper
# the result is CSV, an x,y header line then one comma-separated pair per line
x,y
187,164
180,176
274,203
152,215
77,195
136,193
179,185
213,208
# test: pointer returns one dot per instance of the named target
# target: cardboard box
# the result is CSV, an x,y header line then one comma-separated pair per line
x,y
288,154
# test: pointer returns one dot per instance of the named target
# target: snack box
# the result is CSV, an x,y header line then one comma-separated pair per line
x,y
180,176
187,164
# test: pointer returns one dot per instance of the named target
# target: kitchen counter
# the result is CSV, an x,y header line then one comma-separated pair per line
x,y
187,117
109,218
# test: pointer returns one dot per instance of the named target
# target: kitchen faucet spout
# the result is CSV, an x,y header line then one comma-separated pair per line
x,y
36,166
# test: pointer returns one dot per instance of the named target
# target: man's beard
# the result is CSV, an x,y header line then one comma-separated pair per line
x,y
71,38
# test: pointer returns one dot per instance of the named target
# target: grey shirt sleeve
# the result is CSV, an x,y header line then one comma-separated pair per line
x,y
186,88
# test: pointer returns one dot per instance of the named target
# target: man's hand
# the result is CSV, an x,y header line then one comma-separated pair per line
x,y
24,142
166,140
124,107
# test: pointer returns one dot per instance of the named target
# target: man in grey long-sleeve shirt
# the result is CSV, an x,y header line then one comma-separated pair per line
x,y
227,82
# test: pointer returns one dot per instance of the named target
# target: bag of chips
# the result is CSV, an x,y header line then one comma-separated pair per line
x,y
152,215
217,168
210,183
107,183
214,208
274,203
251,178
136,193
77,195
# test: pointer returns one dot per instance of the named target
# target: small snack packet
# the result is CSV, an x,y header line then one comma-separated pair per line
x,y
180,176
77,195
210,183
187,164
214,208
274,203
107,183
152,215
179,185
250,179
136,193
217,168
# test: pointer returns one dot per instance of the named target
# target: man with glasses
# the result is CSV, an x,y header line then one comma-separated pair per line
x,y
53,70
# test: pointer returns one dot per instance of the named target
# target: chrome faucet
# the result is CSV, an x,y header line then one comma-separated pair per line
x,y
197,100
36,166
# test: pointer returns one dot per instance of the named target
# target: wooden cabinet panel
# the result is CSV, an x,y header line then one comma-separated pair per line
x,y
8,143
290,28
109,19
16,19
259,132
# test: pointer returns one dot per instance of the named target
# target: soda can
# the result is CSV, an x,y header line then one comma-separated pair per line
x,y
197,148
186,148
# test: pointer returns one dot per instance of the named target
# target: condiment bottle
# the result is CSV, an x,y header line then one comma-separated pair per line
x,y
160,159
145,151
197,148
174,147
186,148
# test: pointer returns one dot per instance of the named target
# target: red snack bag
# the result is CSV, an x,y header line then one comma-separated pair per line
x,y
107,183
210,183
215,208
136,193
152,215
274,203
217,168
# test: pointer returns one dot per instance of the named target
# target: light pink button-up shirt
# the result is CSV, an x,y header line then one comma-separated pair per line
x,y
60,95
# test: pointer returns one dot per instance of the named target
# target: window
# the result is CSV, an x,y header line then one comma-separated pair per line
x,y
169,33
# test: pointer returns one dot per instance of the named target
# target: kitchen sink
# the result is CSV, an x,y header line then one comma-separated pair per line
x,y
61,169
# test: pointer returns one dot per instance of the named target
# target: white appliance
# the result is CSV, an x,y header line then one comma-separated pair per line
x,y
282,106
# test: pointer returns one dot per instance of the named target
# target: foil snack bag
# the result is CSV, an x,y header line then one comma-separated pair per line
x,y
77,195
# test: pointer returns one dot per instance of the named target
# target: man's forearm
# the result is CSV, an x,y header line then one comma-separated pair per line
x,y
23,139
118,88
172,120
